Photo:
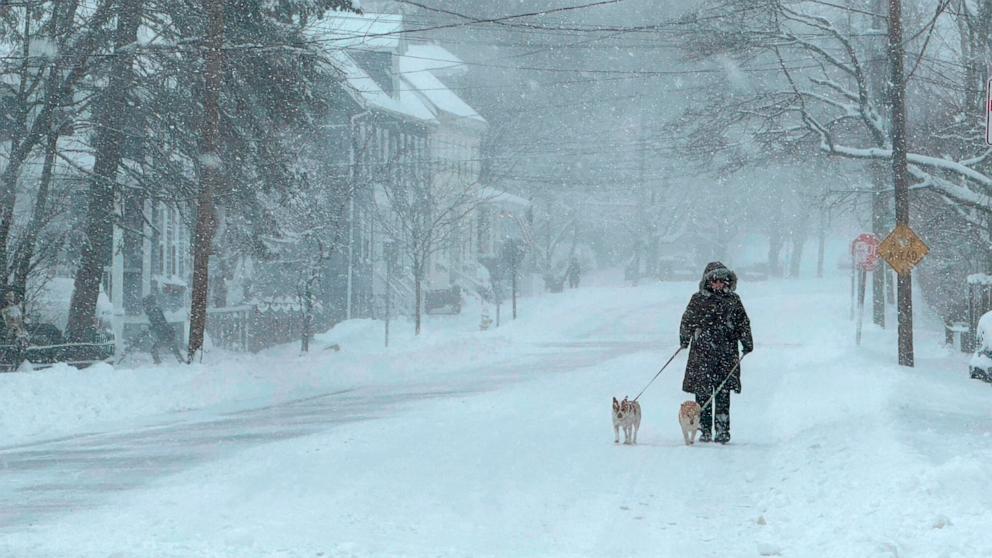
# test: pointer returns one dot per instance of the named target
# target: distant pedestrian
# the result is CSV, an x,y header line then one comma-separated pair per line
x,y
15,334
714,323
162,334
13,319
574,273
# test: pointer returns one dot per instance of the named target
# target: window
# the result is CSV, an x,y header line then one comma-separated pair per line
x,y
170,267
181,244
378,65
394,149
159,266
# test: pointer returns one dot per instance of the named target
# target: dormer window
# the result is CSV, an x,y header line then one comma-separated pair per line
x,y
378,65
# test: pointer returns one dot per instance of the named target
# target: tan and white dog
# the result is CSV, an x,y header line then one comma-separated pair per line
x,y
689,421
626,414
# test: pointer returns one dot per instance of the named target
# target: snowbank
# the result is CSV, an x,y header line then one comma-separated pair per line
x,y
62,400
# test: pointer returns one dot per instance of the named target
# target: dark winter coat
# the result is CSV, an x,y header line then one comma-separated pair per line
x,y
713,325
573,271
157,323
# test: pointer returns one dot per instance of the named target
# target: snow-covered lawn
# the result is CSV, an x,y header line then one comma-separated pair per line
x,y
836,450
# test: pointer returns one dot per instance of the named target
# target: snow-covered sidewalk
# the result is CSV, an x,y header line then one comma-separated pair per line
x,y
499,443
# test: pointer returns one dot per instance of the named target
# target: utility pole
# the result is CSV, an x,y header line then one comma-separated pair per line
x,y
511,256
210,172
900,174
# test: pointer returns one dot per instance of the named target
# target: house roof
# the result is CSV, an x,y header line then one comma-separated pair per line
x,y
420,64
420,94
343,30
340,33
433,58
493,195
440,98
406,103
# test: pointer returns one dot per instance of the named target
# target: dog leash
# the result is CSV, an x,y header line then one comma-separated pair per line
x,y
659,372
723,383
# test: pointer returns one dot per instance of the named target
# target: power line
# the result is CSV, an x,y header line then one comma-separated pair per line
x,y
583,29
495,19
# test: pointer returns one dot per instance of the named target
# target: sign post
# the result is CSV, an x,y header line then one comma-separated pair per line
x,y
862,275
988,112
513,255
391,253
864,255
903,250
854,274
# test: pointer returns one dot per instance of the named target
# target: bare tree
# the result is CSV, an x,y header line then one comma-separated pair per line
x,y
420,211
816,92
42,93
545,232
306,290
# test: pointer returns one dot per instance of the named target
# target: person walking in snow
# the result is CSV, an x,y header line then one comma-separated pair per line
x,y
15,335
163,336
13,320
573,272
714,324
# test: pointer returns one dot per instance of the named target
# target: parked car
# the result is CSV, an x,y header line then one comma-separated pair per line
x,y
46,346
980,366
677,268
443,301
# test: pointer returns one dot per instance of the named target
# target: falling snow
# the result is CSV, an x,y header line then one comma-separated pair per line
x,y
341,278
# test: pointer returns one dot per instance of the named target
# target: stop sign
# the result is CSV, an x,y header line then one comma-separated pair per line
x,y
864,249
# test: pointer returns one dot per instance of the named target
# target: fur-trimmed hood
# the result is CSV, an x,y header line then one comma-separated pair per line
x,y
715,269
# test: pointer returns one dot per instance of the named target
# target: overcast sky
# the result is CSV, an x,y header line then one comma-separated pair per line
x,y
569,98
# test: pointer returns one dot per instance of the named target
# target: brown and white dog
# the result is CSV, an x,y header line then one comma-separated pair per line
x,y
626,414
689,421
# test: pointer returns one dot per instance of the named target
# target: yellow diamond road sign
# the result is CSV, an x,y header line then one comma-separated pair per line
x,y
902,249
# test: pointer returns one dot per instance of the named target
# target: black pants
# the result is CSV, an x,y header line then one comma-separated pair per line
x,y
168,345
722,405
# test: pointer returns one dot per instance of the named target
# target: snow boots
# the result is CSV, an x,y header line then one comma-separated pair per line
x,y
722,429
722,404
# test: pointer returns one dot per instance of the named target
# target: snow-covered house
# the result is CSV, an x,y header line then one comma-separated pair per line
x,y
456,151
150,257
396,122
409,118
388,126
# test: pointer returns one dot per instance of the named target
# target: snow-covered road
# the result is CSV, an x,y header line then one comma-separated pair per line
x,y
76,472
506,450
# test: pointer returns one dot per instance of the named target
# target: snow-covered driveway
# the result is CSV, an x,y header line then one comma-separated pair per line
x,y
836,452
